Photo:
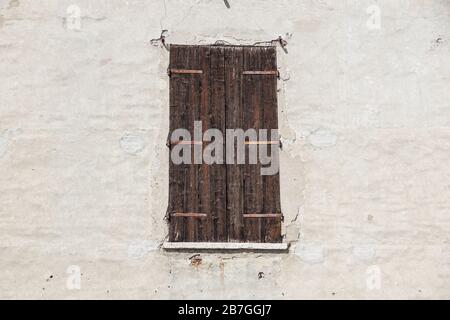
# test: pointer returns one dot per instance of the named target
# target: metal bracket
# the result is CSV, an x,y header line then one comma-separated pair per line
x,y
189,142
189,214
266,72
262,142
183,71
263,215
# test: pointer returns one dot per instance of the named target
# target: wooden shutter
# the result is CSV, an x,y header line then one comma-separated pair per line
x,y
226,87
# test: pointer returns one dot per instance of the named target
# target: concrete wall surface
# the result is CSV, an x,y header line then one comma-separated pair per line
x,y
364,109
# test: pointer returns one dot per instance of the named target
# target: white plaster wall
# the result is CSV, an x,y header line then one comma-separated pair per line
x,y
365,120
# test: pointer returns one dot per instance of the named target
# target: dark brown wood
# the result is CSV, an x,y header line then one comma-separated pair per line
x,y
225,88
253,186
234,63
206,229
185,99
218,177
271,183
261,192
176,172
192,193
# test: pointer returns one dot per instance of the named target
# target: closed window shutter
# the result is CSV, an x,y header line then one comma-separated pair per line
x,y
192,187
226,87
261,192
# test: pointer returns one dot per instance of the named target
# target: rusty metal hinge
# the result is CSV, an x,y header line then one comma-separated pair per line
x,y
189,142
259,72
183,71
189,214
263,215
262,142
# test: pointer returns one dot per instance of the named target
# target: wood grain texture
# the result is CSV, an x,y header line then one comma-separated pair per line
x,y
176,172
206,230
234,58
218,177
223,202
253,118
185,97
271,231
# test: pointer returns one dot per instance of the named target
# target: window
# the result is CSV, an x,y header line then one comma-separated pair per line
x,y
213,196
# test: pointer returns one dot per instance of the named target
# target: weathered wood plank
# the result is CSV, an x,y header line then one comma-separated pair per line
x,y
271,191
253,201
176,172
220,203
234,63
185,98
206,231
217,120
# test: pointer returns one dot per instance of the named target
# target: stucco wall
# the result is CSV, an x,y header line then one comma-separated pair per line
x,y
364,109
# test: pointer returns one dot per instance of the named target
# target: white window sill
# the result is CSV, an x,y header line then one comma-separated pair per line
x,y
227,246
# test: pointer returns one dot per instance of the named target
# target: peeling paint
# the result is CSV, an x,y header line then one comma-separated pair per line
x,y
13,4
3,145
131,143
310,252
139,248
6,137
364,252
196,260
322,138
292,232
73,192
